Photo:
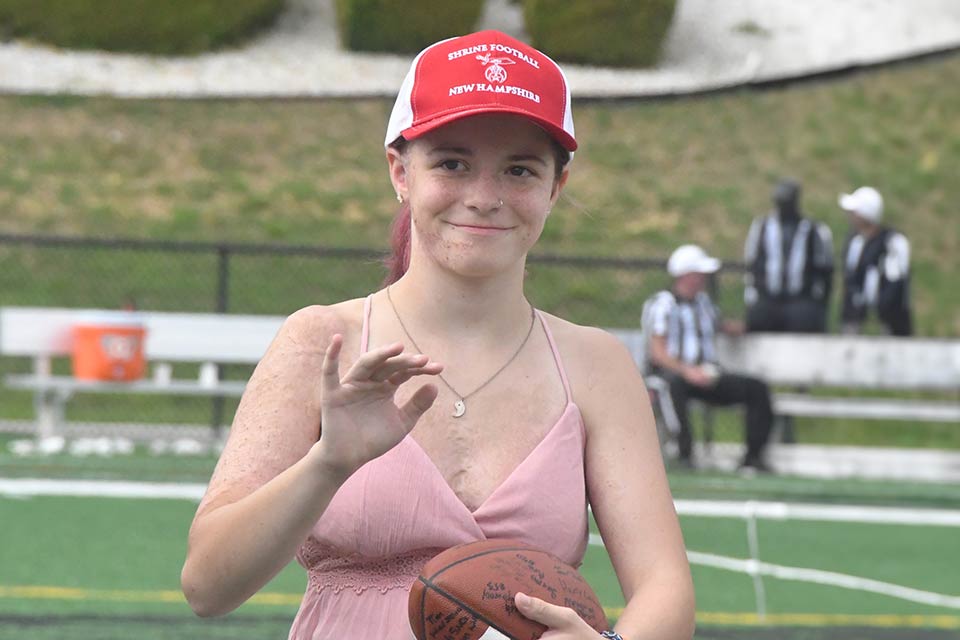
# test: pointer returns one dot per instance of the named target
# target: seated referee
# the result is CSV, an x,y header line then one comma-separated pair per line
x,y
680,326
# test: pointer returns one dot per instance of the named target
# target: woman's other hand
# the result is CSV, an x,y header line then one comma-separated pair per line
x,y
562,623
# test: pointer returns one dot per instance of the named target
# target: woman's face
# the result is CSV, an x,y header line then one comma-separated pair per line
x,y
479,189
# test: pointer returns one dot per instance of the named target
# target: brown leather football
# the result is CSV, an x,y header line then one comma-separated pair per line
x,y
466,592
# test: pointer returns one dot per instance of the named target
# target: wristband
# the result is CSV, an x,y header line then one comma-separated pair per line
x,y
611,635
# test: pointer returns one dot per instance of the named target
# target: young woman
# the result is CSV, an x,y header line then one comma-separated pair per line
x,y
357,452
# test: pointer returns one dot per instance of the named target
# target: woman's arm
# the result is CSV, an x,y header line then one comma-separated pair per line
x,y
629,493
275,477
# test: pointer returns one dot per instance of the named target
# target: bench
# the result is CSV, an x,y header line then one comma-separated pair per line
x,y
783,360
206,339
868,363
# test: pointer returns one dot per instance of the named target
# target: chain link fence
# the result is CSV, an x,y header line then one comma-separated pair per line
x,y
268,279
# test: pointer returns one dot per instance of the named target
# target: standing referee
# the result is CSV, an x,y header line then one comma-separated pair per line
x,y
789,267
876,267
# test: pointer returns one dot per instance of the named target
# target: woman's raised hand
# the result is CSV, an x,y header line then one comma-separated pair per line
x,y
360,418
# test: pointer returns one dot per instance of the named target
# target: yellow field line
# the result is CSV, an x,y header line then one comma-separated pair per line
x,y
127,595
831,620
746,619
718,618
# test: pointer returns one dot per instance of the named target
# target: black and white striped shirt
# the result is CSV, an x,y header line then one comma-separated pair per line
x,y
875,271
792,261
689,326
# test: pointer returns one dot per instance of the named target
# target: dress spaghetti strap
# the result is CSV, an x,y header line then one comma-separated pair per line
x,y
365,331
556,356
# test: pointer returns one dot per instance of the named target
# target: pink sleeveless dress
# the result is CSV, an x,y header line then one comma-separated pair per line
x,y
397,511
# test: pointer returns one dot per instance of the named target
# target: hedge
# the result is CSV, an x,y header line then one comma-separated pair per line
x,y
403,27
622,33
166,27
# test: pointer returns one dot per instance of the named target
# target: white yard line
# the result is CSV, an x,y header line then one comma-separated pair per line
x,y
28,487
831,578
818,512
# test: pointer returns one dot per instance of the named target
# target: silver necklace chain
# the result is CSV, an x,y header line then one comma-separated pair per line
x,y
460,406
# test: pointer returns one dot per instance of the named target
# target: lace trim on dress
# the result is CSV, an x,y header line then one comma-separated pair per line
x,y
328,568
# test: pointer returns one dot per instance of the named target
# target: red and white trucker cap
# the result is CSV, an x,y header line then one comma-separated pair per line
x,y
483,72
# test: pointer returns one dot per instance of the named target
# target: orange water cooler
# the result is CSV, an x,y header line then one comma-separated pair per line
x,y
109,346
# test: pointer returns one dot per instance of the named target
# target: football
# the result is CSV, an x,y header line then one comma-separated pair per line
x,y
466,592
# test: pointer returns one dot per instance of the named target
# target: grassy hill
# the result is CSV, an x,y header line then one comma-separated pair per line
x,y
650,174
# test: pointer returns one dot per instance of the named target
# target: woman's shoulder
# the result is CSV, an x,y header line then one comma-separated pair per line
x,y
585,347
604,378
316,324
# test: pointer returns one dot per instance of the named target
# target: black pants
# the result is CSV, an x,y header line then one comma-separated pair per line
x,y
729,389
796,315
897,321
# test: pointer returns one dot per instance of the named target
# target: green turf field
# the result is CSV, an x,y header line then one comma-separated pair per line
x,y
95,567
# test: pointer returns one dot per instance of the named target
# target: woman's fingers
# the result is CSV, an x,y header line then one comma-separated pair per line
x,y
558,618
330,372
372,360
417,405
429,369
379,364
397,364
386,362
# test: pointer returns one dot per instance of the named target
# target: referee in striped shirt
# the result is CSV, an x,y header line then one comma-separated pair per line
x,y
679,327
876,267
789,267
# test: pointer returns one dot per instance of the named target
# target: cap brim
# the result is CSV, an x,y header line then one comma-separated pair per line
x,y
704,265
847,202
708,265
557,133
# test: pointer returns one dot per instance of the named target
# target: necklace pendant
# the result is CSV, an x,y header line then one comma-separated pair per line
x,y
459,408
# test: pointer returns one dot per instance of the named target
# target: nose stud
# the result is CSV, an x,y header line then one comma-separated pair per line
x,y
499,204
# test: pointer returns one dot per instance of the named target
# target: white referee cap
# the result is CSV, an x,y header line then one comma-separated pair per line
x,y
690,258
865,202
